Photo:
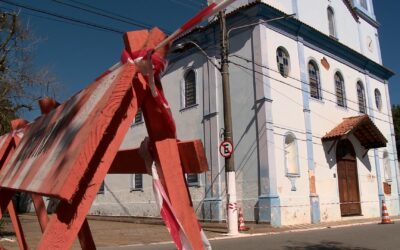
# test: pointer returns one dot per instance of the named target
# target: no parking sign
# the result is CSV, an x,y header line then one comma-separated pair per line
x,y
226,149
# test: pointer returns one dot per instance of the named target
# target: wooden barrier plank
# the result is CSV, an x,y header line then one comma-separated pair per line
x,y
68,152
48,160
170,171
6,197
191,153
5,143
7,147
193,157
112,125
40,210
128,162
17,226
85,237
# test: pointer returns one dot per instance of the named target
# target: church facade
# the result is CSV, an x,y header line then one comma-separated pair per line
x,y
312,124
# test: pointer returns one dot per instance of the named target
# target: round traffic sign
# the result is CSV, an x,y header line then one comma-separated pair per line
x,y
226,149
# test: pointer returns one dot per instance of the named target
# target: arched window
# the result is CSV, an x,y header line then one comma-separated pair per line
x,y
315,84
340,93
364,4
331,22
361,98
190,89
291,155
283,60
378,99
386,166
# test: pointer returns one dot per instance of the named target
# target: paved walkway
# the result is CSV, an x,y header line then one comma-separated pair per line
x,y
109,232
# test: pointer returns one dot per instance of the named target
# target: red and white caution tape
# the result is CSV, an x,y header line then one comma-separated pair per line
x,y
210,10
171,220
232,206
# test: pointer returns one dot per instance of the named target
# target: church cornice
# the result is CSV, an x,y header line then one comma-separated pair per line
x,y
208,35
366,17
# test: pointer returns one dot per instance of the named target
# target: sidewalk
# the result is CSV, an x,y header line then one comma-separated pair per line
x,y
120,231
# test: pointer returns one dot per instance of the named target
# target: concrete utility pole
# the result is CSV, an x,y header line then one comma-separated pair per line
x,y
230,177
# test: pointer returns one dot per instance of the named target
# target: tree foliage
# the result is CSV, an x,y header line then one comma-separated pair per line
x,y
21,84
396,124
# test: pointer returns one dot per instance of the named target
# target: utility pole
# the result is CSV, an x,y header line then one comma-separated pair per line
x,y
230,175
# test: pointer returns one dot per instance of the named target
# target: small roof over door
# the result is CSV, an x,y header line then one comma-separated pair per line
x,y
362,128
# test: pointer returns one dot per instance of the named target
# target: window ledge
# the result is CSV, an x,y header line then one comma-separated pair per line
x,y
320,100
188,107
344,108
136,190
195,185
292,175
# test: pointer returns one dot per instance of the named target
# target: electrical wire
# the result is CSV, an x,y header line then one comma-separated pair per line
x,y
72,19
185,4
104,13
281,93
307,83
298,88
290,85
50,18
200,4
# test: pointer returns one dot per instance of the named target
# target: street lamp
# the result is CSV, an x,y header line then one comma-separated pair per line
x,y
183,45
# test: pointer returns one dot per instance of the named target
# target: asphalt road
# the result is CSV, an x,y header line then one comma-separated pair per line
x,y
353,238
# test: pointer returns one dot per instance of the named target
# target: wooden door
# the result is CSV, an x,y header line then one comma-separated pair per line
x,y
348,180
348,188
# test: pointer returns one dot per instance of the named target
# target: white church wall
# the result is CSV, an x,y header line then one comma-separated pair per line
x,y
282,5
288,116
244,124
118,199
314,13
369,41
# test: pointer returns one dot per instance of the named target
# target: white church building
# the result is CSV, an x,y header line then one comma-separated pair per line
x,y
312,123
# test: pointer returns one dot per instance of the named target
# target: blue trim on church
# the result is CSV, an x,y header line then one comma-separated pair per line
x,y
208,35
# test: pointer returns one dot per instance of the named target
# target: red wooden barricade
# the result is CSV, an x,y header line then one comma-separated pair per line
x,y
67,153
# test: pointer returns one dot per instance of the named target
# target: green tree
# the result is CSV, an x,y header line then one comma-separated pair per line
x,y
396,124
21,84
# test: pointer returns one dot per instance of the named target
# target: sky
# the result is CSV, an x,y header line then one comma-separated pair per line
x,y
387,14
77,54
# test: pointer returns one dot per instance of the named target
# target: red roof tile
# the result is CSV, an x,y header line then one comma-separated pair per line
x,y
363,129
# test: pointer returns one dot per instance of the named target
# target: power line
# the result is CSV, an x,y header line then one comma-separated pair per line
x,y
198,3
104,13
306,91
75,20
290,85
184,4
324,90
50,18
294,101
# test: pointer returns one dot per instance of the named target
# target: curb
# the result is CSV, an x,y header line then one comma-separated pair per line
x,y
288,230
